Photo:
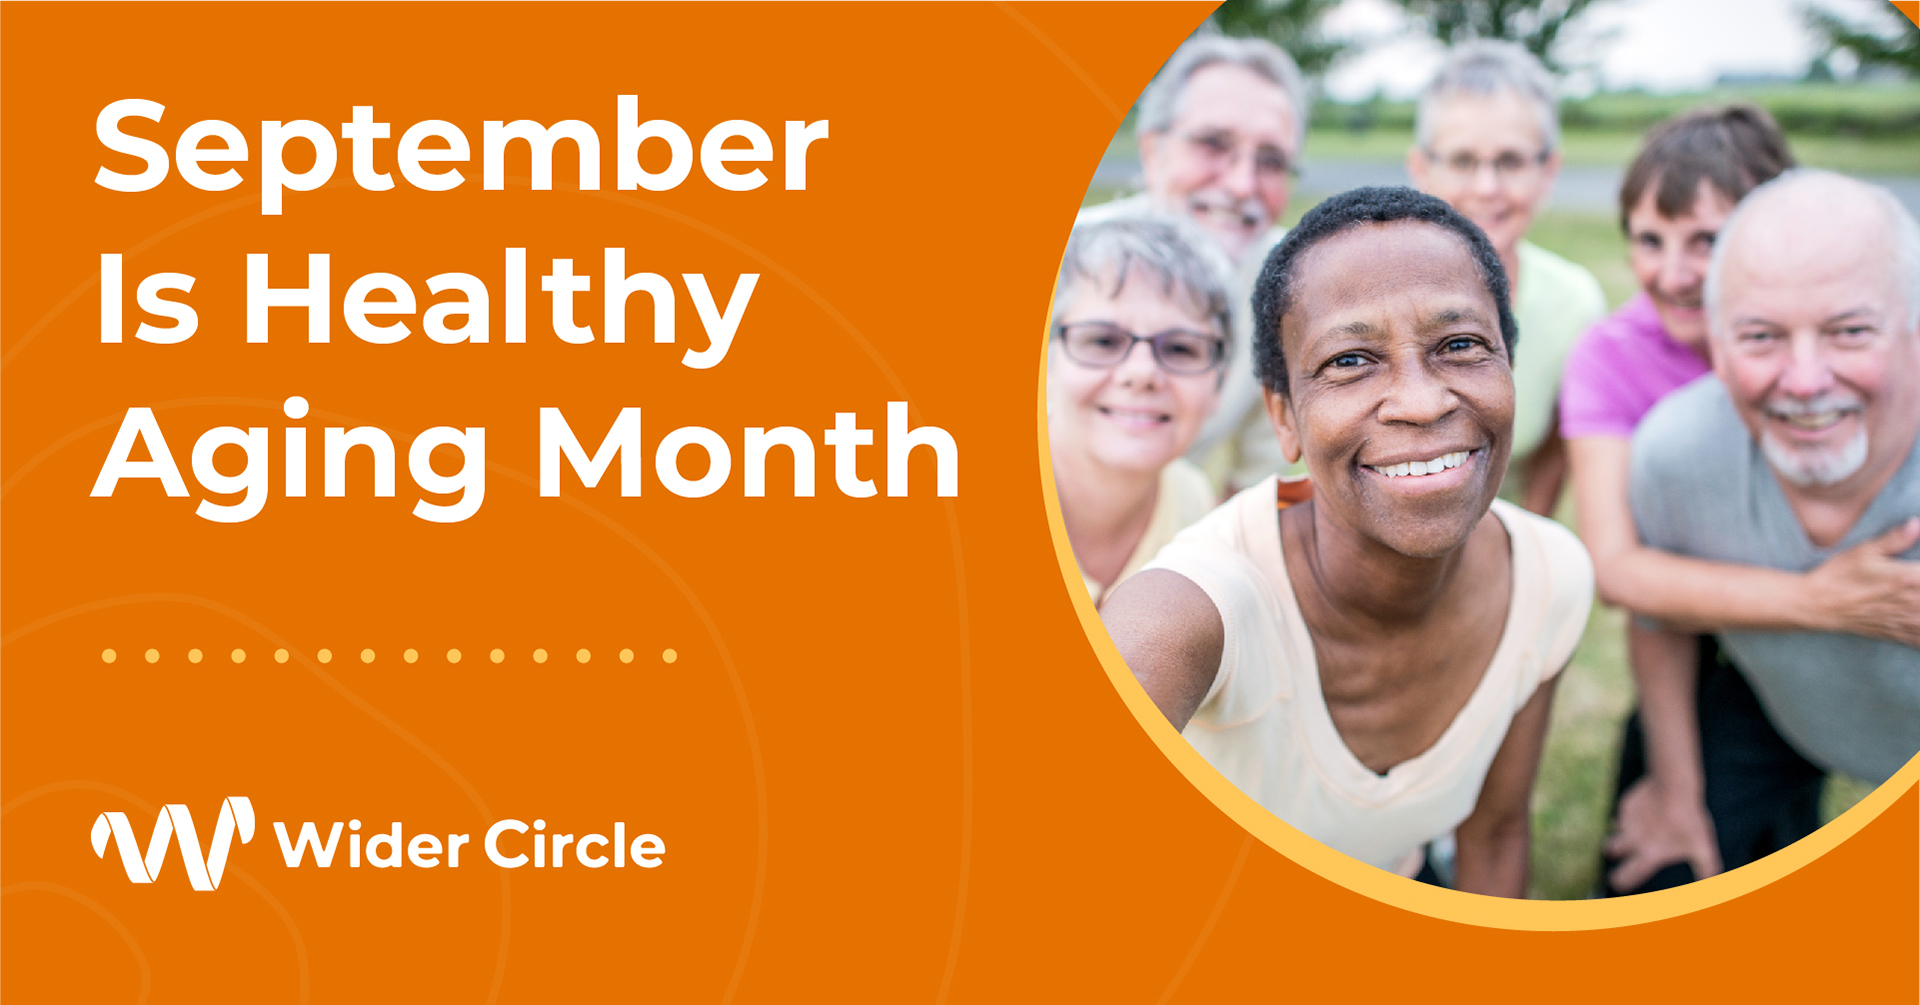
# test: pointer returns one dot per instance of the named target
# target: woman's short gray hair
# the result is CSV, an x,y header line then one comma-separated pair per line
x,y
1169,251
1484,67
1161,100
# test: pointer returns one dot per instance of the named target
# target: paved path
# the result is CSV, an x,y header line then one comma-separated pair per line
x,y
1587,189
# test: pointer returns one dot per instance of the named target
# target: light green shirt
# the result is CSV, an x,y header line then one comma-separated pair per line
x,y
1554,303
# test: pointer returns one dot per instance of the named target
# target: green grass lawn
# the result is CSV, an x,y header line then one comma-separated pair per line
x,y
1572,793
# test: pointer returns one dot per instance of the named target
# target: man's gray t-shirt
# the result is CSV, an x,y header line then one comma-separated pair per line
x,y
1701,487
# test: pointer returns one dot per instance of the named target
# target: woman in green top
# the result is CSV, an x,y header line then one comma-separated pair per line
x,y
1486,139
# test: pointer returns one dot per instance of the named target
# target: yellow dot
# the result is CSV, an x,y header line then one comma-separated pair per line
x,y
583,656
366,656
669,656
453,656
410,655
326,655
193,656
239,655
153,656
626,656
497,655
279,655
108,656
539,655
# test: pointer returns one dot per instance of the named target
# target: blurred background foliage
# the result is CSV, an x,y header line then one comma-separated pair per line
x,y
1293,25
1535,24
1892,43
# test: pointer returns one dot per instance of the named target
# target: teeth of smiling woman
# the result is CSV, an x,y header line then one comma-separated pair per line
x,y
1432,467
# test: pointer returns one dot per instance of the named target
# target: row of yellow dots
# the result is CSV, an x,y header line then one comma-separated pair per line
x,y
367,655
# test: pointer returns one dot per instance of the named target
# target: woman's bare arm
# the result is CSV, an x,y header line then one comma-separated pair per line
x,y
1663,817
1494,841
1863,591
1171,636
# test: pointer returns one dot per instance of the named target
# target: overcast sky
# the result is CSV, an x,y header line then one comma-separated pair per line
x,y
1660,45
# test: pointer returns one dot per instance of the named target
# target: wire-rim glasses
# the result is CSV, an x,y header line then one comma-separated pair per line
x,y
1508,165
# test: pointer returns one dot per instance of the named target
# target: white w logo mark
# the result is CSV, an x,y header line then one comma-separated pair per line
x,y
204,872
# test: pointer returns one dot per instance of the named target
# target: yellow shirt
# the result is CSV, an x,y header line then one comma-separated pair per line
x,y
1185,496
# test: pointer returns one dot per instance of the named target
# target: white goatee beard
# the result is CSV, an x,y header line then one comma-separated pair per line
x,y
1807,470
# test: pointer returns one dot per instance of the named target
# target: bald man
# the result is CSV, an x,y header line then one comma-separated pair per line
x,y
1801,446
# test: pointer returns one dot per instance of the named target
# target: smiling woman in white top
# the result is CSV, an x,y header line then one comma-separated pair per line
x,y
1375,664
1139,347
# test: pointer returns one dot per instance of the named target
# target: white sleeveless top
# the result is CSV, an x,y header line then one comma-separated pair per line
x,y
1264,723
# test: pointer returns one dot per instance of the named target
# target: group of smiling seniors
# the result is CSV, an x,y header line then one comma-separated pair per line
x,y
1370,651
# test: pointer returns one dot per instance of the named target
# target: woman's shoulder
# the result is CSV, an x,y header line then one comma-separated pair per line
x,y
1186,489
1215,544
1567,278
1231,555
1546,542
1555,575
1612,351
1629,330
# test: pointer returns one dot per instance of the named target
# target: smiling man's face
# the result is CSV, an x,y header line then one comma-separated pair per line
x,y
1815,341
1400,390
1226,160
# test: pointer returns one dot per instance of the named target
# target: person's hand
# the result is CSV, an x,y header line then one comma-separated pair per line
x,y
1658,828
1866,591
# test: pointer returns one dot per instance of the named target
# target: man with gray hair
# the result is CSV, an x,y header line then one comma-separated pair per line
x,y
1803,445
1219,131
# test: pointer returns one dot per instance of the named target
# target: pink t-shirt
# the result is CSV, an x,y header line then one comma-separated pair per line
x,y
1620,369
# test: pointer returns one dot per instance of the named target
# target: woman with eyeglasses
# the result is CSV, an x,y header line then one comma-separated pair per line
x,y
1374,664
1486,136
1140,322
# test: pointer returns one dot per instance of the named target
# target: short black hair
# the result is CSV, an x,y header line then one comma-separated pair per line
x,y
1273,292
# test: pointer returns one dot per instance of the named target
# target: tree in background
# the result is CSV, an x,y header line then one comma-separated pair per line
x,y
1896,45
1536,24
1293,25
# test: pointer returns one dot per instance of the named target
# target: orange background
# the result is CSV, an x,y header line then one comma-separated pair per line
x,y
887,762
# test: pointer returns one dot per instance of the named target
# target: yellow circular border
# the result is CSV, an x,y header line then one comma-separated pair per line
x,y
1390,888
